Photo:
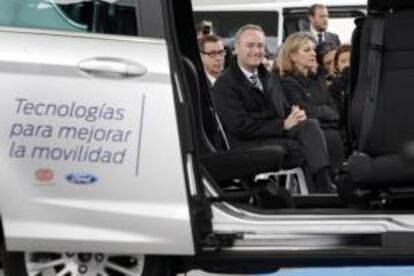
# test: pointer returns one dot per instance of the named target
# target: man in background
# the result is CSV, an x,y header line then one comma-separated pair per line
x,y
204,28
318,19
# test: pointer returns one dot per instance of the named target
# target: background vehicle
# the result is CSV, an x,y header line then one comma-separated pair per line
x,y
106,169
277,18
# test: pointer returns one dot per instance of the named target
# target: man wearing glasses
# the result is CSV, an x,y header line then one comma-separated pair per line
x,y
212,55
252,107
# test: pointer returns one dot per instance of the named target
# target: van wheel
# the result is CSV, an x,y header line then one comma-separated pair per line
x,y
87,264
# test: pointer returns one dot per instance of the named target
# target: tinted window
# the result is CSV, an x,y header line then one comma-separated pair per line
x,y
343,27
225,24
97,16
341,21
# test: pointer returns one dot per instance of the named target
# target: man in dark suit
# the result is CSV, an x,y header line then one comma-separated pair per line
x,y
212,55
251,105
318,19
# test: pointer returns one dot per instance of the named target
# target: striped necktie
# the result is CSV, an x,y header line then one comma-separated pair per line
x,y
254,80
319,38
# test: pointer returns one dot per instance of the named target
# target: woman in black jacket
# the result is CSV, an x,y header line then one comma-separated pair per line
x,y
302,87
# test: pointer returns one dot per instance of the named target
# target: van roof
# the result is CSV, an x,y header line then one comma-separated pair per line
x,y
260,5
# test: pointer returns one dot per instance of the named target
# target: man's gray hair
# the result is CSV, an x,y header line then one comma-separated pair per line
x,y
245,28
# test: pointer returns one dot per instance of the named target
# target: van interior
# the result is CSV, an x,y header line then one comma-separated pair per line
x,y
374,179
225,23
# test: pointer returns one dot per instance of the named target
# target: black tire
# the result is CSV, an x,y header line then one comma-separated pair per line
x,y
14,264
157,266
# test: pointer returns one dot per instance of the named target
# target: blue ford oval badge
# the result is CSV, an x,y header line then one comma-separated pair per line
x,y
82,178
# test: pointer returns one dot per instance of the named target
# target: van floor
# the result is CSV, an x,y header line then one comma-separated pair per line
x,y
328,204
318,201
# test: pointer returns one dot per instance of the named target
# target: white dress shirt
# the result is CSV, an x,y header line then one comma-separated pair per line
x,y
211,78
248,74
315,34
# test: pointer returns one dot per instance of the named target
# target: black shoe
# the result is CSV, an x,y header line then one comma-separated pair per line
x,y
322,182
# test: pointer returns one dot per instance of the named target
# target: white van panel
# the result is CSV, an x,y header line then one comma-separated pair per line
x,y
111,183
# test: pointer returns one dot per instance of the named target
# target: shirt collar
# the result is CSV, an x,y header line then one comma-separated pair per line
x,y
247,73
211,78
315,33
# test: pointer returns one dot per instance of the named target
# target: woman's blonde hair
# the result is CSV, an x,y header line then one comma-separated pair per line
x,y
284,62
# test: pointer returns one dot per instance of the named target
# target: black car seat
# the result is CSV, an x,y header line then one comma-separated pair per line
x,y
219,164
213,162
382,103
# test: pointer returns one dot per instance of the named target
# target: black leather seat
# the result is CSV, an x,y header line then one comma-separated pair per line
x,y
244,163
223,164
378,164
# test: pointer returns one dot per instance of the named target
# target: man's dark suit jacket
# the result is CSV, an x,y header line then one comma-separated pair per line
x,y
253,117
248,114
332,38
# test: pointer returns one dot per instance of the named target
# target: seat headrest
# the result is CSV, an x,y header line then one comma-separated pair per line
x,y
375,6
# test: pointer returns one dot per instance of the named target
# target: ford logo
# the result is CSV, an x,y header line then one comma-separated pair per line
x,y
82,178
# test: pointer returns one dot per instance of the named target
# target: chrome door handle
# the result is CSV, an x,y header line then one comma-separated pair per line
x,y
106,67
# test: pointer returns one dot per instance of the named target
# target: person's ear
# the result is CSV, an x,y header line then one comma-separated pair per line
x,y
293,57
236,48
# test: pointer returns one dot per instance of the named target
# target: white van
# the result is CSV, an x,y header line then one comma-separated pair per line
x,y
277,18
106,170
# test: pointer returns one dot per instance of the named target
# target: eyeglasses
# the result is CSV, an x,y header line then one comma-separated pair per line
x,y
214,54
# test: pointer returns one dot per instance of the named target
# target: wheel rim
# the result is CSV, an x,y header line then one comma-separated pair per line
x,y
83,264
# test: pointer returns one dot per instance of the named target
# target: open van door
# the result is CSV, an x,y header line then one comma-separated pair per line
x,y
92,158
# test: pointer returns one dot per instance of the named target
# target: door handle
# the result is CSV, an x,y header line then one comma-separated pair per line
x,y
106,67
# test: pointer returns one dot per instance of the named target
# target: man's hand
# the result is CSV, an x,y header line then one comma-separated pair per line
x,y
296,115
300,114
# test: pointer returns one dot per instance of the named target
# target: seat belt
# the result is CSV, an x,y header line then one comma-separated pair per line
x,y
374,70
222,133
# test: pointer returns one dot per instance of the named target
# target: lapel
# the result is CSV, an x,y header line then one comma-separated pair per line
x,y
303,80
272,95
272,91
304,83
327,37
330,38
254,93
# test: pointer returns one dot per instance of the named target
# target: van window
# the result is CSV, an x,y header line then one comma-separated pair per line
x,y
96,16
341,21
225,24
343,27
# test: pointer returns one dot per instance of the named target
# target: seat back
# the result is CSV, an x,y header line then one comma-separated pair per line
x,y
392,125
201,110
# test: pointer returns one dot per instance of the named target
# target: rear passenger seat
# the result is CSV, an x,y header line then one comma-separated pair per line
x,y
377,165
